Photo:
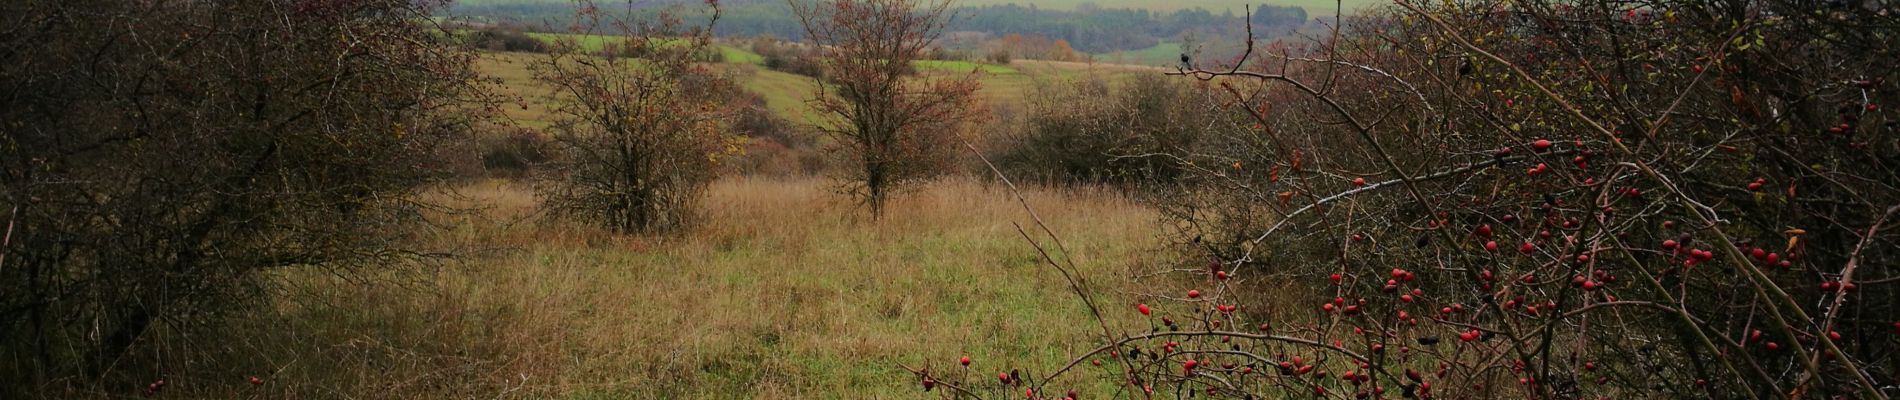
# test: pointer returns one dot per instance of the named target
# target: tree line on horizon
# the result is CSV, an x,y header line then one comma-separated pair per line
x,y
1087,29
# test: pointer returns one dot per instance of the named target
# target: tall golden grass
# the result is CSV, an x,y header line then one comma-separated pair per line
x,y
783,291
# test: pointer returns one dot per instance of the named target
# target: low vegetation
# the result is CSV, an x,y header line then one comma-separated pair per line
x,y
352,199
782,291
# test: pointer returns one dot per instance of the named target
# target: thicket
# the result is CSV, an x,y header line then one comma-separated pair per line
x,y
1098,131
637,138
1480,199
159,159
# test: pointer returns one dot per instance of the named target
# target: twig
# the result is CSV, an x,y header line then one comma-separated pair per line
x,y
7,242
1075,281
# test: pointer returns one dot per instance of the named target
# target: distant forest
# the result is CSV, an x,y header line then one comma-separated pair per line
x,y
1087,29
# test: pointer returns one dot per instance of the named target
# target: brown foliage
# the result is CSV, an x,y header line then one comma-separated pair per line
x,y
641,136
892,128
1542,200
157,158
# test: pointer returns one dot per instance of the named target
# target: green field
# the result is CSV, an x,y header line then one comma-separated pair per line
x,y
730,53
1166,53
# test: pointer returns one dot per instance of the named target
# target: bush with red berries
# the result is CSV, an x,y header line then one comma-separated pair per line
x,y
1536,200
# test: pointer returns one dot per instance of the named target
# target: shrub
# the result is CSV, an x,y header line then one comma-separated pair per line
x,y
1096,131
892,129
999,57
515,153
515,41
638,138
1531,200
156,166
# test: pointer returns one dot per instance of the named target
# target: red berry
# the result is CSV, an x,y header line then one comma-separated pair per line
x,y
965,360
1189,365
1833,335
1328,307
1527,248
1484,230
1491,246
1143,308
1773,346
1194,294
1360,181
256,381
1221,275
1541,144
1335,278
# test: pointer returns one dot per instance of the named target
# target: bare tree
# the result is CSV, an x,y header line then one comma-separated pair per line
x,y
642,126
893,125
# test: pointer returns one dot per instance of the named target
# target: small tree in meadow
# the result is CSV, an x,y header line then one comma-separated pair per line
x,y
892,126
639,137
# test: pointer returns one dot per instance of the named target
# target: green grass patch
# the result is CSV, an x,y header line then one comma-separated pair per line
x,y
1163,54
963,66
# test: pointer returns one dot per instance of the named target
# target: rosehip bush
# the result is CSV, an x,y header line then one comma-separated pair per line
x,y
1537,200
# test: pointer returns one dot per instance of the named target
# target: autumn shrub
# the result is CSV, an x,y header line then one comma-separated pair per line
x,y
514,152
1096,130
507,40
890,128
159,160
639,134
1534,200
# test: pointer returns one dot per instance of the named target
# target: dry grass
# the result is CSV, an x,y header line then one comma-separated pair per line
x,y
784,292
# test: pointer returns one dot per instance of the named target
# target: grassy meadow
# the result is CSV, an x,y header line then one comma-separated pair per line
x,y
784,291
